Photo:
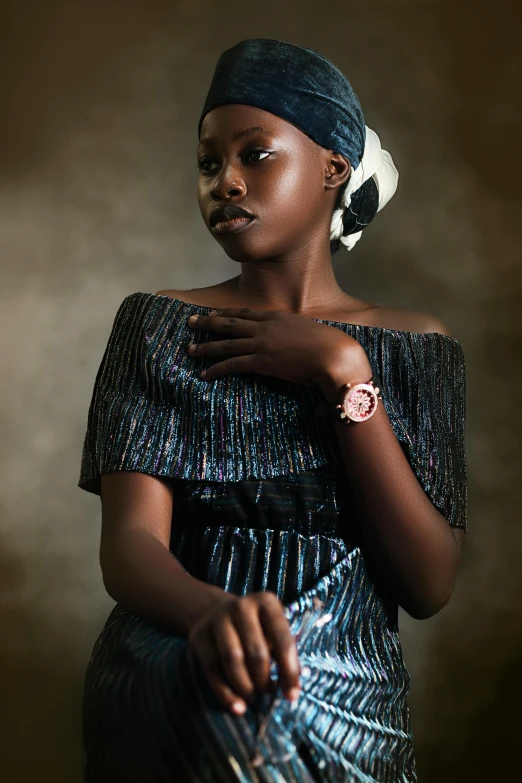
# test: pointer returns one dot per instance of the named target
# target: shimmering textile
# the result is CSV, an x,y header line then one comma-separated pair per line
x,y
152,413
261,502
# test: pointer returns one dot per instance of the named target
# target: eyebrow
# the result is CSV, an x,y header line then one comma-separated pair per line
x,y
240,134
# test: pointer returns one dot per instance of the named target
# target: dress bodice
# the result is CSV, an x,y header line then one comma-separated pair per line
x,y
151,412
261,498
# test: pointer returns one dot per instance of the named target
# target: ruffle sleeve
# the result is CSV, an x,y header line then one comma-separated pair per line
x,y
423,378
114,438
441,454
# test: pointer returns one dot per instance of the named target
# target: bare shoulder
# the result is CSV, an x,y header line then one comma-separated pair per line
x,y
211,296
172,292
382,316
192,296
406,320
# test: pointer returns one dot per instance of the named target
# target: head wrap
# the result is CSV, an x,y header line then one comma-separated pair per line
x,y
304,88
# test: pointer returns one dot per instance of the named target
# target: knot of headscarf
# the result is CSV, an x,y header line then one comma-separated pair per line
x,y
376,163
302,86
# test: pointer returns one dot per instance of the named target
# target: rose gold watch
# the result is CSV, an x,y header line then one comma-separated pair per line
x,y
357,402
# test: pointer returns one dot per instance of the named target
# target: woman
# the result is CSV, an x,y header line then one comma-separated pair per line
x,y
281,465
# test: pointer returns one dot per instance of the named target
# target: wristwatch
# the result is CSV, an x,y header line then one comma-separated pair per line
x,y
357,402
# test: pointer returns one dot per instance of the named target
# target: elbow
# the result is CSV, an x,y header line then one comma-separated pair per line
x,y
109,583
429,590
110,588
429,602
115,586
108,573
424,611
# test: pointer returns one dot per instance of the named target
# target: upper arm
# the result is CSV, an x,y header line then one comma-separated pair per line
x,y
135,501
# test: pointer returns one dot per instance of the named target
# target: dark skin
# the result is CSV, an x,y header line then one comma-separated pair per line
x,y
289,184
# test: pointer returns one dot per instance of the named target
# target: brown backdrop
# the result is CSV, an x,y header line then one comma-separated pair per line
x,y
98,200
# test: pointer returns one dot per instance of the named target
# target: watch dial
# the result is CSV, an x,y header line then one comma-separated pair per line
x,y
360,402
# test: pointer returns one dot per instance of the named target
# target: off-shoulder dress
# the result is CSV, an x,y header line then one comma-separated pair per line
x,y
261,502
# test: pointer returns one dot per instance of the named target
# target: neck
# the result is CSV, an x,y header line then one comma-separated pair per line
x,y
301,286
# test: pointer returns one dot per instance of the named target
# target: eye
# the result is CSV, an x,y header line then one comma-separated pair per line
x,y
204,164
257,152
201,165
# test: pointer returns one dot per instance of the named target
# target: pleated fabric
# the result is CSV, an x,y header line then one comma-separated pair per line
x,y
149,714
151,412
261,502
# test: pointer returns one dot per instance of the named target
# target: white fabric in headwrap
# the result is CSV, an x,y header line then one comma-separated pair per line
x,y
376,163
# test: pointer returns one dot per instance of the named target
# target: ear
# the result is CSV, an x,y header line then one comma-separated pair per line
x,y
337,170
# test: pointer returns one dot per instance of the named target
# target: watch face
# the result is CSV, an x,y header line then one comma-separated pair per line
x,y
360,402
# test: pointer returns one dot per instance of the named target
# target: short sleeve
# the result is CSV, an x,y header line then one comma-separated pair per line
x,y
120,411
437,416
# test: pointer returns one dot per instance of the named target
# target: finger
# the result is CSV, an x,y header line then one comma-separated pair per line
x,y
236,345
282,641
232,658
236,364
245,616
241,312
207,654
230,700
225,325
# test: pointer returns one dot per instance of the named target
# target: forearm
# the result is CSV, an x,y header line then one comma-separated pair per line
x,y
407,538
141,574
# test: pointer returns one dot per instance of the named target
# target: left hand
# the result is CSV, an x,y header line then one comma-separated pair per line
x,y
281,344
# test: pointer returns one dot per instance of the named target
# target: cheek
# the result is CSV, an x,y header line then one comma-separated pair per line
x,y
202,196
293,200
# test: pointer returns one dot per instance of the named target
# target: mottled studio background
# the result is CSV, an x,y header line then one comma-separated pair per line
x,y
99,107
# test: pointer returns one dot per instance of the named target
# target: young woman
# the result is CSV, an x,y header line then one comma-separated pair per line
x,y
280,464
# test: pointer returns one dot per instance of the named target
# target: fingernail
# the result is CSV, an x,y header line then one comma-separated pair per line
x,y
193,319
203,374
192,348
293,693
213,312
239,707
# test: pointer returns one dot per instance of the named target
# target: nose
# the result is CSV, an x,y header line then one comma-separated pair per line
x,y
228,183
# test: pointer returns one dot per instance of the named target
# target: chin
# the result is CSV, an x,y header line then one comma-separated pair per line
x,y
244,253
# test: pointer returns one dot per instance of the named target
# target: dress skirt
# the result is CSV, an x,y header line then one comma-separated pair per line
x,y
151,717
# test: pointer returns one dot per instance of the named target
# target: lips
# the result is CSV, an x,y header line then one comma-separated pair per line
x,y
232,226
230,217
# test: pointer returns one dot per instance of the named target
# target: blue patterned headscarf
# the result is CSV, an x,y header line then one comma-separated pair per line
x,y
303,87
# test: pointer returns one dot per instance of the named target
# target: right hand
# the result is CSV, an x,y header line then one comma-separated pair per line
x,y
235,640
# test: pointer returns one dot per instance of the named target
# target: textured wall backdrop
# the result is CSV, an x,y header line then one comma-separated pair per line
x,y
98,199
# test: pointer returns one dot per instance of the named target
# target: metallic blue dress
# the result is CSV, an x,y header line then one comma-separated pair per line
x,y
261,502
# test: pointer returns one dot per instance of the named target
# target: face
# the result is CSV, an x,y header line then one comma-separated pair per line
x,y
273,184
